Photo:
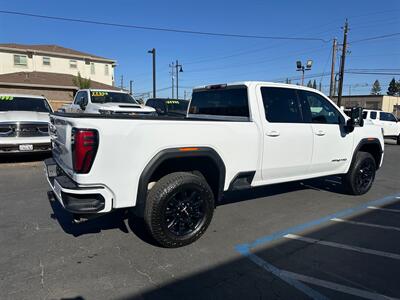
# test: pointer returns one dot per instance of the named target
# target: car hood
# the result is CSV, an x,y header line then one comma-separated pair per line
x,y
123,107
23,116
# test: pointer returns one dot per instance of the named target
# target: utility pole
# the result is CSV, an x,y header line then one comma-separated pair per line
x,y
153,52
342,63
178,69
172,66
334,51
122,82
130,87
184,95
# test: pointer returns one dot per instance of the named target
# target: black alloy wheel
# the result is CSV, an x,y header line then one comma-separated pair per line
x,y
184,212
365,175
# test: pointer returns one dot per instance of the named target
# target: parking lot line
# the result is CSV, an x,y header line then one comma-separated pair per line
x,y
245,250
384,209
336,287
366,224
342,246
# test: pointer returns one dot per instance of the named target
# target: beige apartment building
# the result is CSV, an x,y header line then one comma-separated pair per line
x,y
49,70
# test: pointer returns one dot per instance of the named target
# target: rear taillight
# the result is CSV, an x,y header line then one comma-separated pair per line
x,y
84,148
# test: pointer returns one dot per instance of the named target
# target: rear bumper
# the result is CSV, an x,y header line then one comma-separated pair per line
x,y
76,198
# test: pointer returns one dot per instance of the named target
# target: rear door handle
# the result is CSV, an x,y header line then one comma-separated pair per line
x,y
273,133
320,133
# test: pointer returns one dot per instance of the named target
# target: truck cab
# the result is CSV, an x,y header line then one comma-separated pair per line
x,y
98,101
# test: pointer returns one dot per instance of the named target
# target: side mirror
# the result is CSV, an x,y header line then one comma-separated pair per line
x,y
356,119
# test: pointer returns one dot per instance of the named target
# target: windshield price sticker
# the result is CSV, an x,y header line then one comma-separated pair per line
x,y
99,94
6,98
172,102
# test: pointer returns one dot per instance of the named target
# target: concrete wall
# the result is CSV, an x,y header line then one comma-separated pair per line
x,y
56,97
57,65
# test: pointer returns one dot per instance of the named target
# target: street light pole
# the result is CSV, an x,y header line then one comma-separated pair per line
x,y
178,69
303,68
130,87
153,52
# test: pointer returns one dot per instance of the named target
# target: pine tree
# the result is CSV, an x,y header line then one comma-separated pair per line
x,y
376,88
314,85
393,88
80,82
309,84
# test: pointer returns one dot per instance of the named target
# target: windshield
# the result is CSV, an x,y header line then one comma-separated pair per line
x,y
106,97
10,103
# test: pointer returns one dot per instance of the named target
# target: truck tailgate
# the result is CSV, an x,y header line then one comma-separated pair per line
x,y
60,133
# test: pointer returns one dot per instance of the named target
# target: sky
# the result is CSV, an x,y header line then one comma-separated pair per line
x,y
215,59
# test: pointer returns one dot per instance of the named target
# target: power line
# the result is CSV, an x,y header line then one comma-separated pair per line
x,y
205,33
375,38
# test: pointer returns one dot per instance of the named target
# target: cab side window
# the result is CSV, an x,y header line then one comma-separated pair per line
x,y
281,105
317,109
387,117
372,115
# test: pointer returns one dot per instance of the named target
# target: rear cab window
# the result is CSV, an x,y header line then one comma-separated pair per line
x,y
220,103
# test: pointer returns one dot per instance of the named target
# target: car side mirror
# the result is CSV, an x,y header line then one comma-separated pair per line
x,y
356,119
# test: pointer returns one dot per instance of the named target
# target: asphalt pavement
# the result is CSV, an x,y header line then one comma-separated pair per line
x,y
290,241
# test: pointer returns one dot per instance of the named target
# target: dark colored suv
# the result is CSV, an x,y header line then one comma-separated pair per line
x,y
168,107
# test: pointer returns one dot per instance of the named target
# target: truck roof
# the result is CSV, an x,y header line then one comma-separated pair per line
x,y
105,90
23,95
265,83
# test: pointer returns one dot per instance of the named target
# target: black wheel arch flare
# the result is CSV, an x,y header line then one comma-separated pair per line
x,y
172,153
368,142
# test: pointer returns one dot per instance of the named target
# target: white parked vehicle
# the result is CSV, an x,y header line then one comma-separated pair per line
x,y
387,121
97,101
24,122
173,171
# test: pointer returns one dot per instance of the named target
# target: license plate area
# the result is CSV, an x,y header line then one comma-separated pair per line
x,y
52,171
25,147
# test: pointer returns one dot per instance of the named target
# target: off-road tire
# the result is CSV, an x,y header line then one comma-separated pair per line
x,y
160,195
357,181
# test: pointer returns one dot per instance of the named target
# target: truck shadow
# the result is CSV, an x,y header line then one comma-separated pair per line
x,y
113,220
23,158
331,184
118,218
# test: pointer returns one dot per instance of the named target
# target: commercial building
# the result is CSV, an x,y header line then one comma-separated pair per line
x,y
380,102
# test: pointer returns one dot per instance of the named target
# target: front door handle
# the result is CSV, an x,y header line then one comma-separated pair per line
x,y
320,133
273,133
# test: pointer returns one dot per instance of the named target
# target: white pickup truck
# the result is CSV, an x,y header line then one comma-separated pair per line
x,y
96,101
24,124
235,136
387,121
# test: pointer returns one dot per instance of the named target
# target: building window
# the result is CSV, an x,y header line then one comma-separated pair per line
x,y
73,64
20,60
46,61
92,69
106,70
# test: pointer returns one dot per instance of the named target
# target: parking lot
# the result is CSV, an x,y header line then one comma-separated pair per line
x,y
292,241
